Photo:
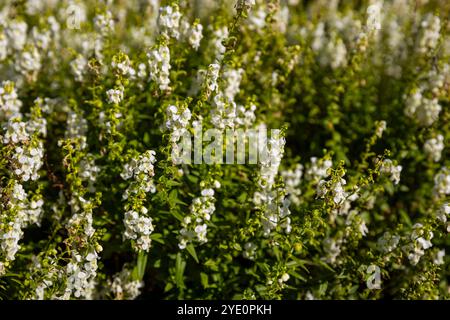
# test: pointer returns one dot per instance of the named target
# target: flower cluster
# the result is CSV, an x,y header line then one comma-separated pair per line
x,y
169,21
195,224
159,66
433,147
345,104
123,286
420,240
138,226
389,168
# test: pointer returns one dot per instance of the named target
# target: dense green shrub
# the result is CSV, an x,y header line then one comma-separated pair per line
x,y
96,96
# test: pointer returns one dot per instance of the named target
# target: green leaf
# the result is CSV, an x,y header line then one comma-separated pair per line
x,y
140,266
190,248
180,265
204,279
158,237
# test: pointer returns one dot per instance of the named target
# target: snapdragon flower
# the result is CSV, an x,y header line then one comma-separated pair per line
x,y
115,96
434,146
211,77
29,62
76,128
425,111
249,250
159,66
439,257
16,32
394,171
442,182
420,240
194,225
138,226
122,65
333,248
15,131
232,81
9,101
195,35
318,169
388,242
219,35
3,46
430,33
335,187
123,287
79,67
104,23
17,212
292,179
169,21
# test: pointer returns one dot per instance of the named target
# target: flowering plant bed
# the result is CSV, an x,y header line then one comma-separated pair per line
x,y
232,149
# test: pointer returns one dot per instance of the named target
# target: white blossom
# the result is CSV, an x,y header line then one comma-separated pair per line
x,y
169,21
394,171
115,96
429,37
195,35
159,66
434,146
442,182
9,101
123,287
79,67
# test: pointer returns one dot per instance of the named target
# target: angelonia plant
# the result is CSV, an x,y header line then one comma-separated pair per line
x,y
348,99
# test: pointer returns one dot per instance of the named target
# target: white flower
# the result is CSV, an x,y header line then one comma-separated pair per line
x,y
257,19
439,257
123,66
388,242
394,171
76,128
78,67
380,128
219,35
442,182
16,132
443,212
3,48
195,35
420,241
211,77
123,286
169,21
29,61
115,96
138,228
430,34
284,278
374,16
104,23
207,193
425,111
9,102
318,169
194,226
249,251
159,66
232,79
434,146
16,32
